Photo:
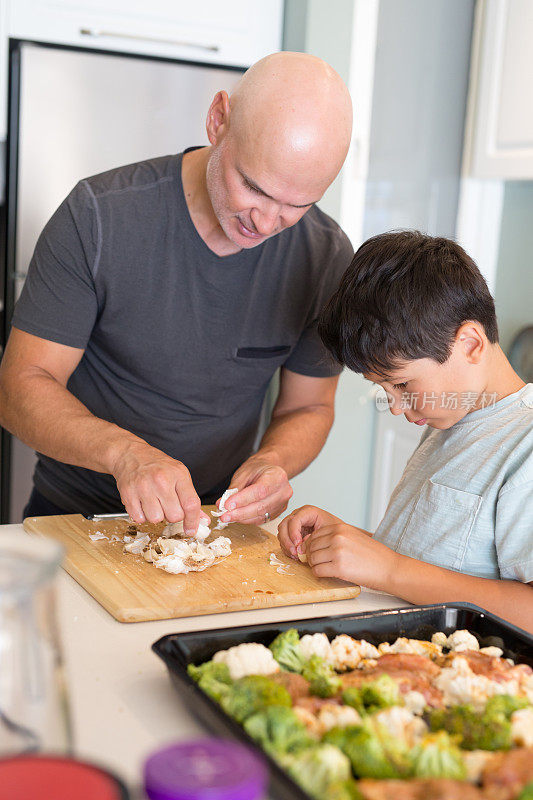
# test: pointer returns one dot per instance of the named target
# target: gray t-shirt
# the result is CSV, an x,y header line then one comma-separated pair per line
x,y
180,344
465,499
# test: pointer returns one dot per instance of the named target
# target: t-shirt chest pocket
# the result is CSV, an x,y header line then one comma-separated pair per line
x,y
251,368
439,525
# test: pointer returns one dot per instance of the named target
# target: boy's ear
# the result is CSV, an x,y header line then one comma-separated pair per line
x,y
472,340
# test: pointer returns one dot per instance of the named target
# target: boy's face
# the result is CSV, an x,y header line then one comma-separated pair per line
x,y
438,395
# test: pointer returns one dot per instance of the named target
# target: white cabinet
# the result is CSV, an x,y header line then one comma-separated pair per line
x,y
395,440
236,32
499,133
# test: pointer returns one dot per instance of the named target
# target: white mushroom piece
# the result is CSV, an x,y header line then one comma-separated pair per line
x,y
222,508
176,529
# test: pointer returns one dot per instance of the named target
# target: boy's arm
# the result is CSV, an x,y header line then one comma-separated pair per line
x,y
420,583
342,551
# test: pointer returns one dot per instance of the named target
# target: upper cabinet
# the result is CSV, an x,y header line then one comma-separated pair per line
x,y
233,32
499,133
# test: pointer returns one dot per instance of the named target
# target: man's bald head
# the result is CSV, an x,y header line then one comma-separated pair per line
x,y
276,144
294,110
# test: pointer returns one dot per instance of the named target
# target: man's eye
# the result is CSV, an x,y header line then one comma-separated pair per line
x,y
400,385
251,188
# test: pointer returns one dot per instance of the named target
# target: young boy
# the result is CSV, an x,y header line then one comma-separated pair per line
x,y
414,314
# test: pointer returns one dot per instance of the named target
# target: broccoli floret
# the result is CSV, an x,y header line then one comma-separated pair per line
x,y
286,650
323,680
437,756
317,768
526,793
278,730
213,679
477,731
251,694
505,704
374,695
372,751
345,790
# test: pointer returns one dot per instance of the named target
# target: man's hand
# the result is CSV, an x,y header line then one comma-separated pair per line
x,y
343,551
263,487
301,523
155,487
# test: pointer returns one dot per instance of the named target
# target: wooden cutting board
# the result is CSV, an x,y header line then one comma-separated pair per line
x,y
133,590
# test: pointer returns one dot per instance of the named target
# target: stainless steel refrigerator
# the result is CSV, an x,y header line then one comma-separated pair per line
x,y
74,113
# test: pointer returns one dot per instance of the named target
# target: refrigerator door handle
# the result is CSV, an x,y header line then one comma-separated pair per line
x,y
213,48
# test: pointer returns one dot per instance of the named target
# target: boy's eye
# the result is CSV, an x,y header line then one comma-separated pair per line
x,y
400,385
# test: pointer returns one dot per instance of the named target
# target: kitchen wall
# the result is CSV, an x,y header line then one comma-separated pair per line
x,y
514,274
338,480
419,92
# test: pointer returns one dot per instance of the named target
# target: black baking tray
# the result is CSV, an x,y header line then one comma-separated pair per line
x,y
179,650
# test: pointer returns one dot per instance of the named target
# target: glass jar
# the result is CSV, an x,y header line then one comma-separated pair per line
x,y
34,712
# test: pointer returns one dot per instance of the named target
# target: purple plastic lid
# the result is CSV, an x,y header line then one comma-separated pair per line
x,y
205,769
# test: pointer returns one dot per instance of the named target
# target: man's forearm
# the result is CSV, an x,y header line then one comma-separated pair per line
x,y
421,583
295,438
47,417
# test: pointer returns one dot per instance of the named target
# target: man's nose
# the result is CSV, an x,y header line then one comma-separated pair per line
x,y
265,220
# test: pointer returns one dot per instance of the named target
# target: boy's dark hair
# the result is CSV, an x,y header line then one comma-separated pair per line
x,y
404,296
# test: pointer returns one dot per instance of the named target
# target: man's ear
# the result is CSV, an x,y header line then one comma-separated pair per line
x,y
217,121
472,341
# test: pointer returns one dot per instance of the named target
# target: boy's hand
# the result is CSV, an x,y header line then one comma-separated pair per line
x,y
293,529
342,551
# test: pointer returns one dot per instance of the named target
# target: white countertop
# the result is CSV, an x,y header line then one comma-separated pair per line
x,y
122,702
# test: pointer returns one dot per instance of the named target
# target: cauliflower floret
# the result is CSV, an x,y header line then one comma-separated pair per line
x,y
494,652
402,724
316,644
526,684
440,639
348,652
367,663
459,684
476,761
332,715
417,646
415,702
250,658
309,720
522,727
462,640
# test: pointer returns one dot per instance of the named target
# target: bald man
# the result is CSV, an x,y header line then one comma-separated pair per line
x,y
164,295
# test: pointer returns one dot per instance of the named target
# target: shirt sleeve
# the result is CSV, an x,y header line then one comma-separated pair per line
x,y
310,356
58,301
514,525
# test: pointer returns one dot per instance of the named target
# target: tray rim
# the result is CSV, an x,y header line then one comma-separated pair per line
x,y
205,708
284,624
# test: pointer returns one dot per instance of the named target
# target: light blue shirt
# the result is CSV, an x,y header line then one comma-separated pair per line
x,y
465,499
